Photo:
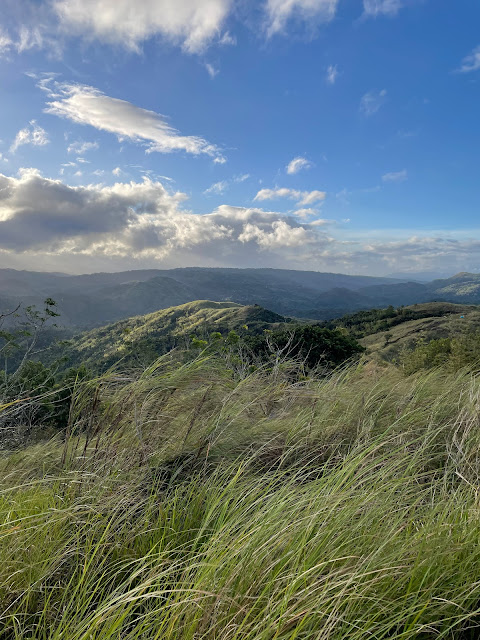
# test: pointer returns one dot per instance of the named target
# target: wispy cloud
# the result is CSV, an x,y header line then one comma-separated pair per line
x,y
220,187
81,147
89,106
372,102
382,7
332,74
297,164
212,71
302,197
471,62
280,12
33,134
395,176
217,188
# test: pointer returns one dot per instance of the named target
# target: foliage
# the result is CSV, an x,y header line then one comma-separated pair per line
x,y
451,353
364,323
39,395
313,345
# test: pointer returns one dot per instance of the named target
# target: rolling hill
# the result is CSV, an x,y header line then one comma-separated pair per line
x,y
141,339
440,321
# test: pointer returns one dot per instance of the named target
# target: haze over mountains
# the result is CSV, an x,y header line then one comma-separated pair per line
x,y
86,301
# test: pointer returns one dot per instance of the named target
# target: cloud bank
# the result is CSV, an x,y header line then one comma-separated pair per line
x,y
137,224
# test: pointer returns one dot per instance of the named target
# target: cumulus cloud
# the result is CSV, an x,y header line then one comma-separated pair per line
x,y
302,197
33,134
280,12
141,218
372,101
193,24
297,164
471,62
382,7
89,106
395,176
332,73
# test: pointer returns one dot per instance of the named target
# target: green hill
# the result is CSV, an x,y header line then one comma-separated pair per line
x,y
434,321
141,339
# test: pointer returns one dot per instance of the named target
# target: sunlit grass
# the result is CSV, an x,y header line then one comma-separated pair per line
x,y
190,504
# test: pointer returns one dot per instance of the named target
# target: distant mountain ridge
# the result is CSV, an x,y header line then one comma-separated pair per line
x,y
86,301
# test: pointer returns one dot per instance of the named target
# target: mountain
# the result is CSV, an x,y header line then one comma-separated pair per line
x,y
87,301
141,339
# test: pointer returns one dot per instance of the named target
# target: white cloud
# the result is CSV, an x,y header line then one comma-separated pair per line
x,y
212,71
193,24
89,106
227,39
223,185
136,218
332,73
372,101
382,7
302,197
139,224
33,134
81,147
217,188
471,62
280,12
6,42
297,164
305,213
117,172
395,176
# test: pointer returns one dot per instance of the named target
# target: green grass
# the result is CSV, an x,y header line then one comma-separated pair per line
x,y
189,503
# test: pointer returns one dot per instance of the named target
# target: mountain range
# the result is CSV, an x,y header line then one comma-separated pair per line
x,y
92,300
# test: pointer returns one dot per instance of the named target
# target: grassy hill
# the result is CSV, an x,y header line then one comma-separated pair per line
x,y
141,339
451,321
191,504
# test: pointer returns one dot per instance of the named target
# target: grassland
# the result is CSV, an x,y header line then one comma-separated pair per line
x,y
190,502
456,320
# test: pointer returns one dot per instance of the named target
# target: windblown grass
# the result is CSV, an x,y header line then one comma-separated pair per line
x,y
187,504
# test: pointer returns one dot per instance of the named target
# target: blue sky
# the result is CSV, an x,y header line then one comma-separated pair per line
x,y
335,135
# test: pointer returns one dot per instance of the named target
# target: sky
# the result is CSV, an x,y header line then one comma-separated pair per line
x,y
327,135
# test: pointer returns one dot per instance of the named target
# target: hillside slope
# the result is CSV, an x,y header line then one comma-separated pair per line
x,y
141,339
442,321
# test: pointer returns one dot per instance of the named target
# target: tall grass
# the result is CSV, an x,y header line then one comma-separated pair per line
x,y
187,504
